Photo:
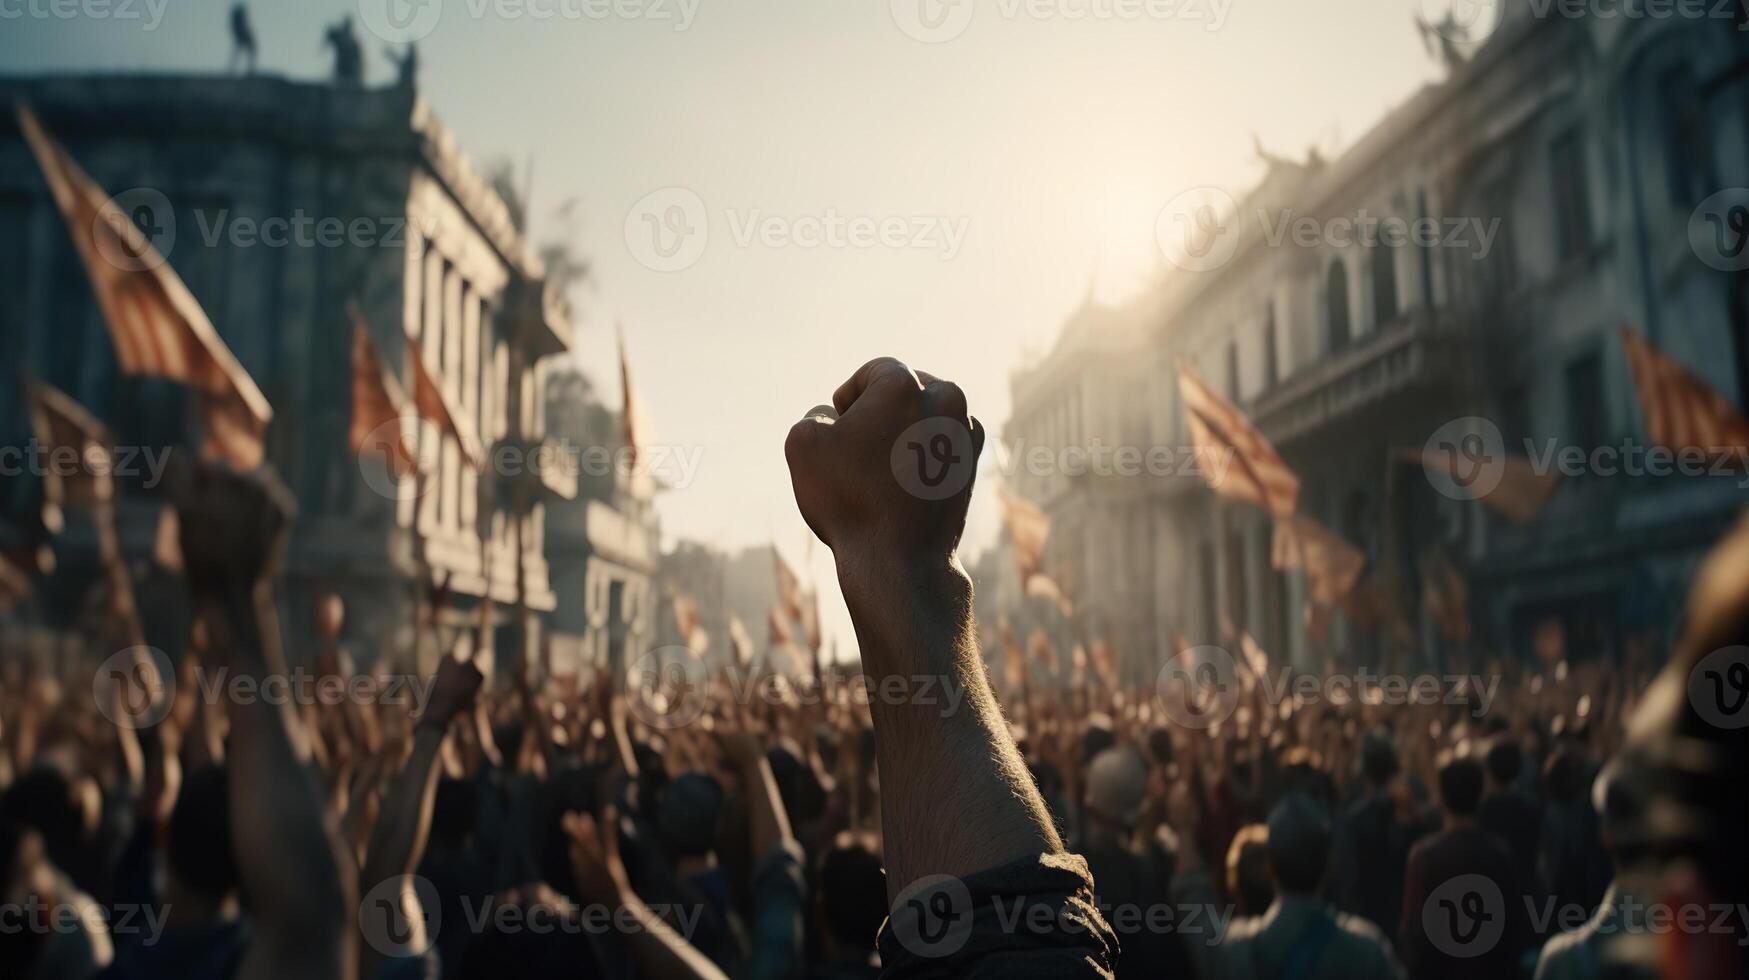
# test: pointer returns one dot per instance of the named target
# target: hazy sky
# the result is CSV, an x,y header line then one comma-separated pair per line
x,y
1035,145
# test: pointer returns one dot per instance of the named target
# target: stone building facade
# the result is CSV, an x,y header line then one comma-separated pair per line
x,y
278,202
1583,150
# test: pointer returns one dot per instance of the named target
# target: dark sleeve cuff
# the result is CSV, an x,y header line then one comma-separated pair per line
x,y
1030,918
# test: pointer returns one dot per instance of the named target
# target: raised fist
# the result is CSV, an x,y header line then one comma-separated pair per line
x,y
233,526
889,466
452,690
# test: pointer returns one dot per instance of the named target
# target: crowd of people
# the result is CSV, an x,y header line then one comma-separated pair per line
x,y
1533,820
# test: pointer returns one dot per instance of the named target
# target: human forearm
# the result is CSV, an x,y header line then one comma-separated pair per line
x,y
659,951
289,857
405,818
914,626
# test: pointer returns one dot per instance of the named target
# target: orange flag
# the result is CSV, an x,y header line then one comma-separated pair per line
x,y
686,622
1256,660
1520,494
1682,411
60,423
789,588
157,327
378,404
1028,529
1332,565
632,422
1256,473
434,406
811,622
740,641
778,628
1446,597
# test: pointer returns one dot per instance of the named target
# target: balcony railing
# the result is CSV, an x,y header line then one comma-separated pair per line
x,y
1421,351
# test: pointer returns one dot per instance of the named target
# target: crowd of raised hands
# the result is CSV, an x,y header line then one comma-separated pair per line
x,y
152,825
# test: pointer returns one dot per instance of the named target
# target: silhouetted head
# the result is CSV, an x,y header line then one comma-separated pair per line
x,y
1299,843
853,892
1249,879
1505,761
688,814
1460,781
1378,757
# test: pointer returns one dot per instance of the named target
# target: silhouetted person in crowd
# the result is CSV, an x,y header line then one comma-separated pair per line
x,y
1299,937
1249,882
1377,829
850,908
1463,908
1506,811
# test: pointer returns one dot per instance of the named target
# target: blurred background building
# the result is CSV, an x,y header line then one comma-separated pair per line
x,y
219,172
1591,141
602,544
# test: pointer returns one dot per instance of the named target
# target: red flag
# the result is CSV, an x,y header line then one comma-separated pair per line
x,y
811,622
1520,494
1028,529
378,404
85,479
777,627
157,327
789,589
692,632
1332,565
1256,660
1682,411
434,406
1041,586
1256,473
632,420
